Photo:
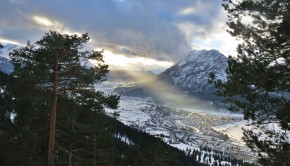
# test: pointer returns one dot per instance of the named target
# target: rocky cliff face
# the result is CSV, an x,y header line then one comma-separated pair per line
x,y
191,73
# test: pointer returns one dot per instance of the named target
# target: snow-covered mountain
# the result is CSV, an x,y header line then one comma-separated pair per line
x,y
4,52
191,73
5,65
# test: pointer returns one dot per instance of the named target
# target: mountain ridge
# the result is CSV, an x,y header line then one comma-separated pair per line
x,y
191,73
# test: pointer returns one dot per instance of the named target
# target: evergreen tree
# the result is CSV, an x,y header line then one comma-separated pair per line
x,y
25,135
55,67
258,78
84,134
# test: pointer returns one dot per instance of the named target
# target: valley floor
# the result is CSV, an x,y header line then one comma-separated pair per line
x,y
184,128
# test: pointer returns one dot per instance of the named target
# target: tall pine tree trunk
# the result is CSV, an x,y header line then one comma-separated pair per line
x,y
51,141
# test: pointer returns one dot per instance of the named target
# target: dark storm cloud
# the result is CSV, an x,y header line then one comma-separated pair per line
x,y
161,29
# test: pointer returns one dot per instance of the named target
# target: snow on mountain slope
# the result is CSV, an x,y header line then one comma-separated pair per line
x,y
192,72
5,65
4,52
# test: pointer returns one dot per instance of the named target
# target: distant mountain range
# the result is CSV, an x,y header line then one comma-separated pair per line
x,y
4,52
191,73
5,65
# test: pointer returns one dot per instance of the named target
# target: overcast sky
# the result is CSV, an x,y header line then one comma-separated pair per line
x,y
144,33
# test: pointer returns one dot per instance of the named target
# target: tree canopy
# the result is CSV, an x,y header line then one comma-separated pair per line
x,y
258,78
52,72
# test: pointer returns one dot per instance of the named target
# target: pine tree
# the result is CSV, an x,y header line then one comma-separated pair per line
x,y
24,136
258,78
84,134
57,68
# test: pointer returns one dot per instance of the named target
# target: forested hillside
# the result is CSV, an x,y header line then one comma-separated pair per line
x,y
51,114
25,141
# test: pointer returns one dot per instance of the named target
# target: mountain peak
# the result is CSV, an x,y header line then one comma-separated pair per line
x,y
201,55
191,73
